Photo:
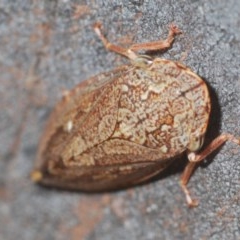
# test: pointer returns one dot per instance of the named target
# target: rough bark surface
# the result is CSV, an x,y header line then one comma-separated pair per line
x,y
48,46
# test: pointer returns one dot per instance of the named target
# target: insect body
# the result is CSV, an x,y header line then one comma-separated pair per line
x,y
120,128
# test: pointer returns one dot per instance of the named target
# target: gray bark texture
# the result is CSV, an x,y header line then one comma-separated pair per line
x,y
48,46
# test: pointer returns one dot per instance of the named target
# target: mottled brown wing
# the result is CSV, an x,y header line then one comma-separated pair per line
x,y
121,128
102,178
73,109
85,156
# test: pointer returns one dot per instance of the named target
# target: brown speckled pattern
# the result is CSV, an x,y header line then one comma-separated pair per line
x,y
126,122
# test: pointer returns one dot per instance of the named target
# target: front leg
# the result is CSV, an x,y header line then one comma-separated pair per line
x,y
194,158
130,52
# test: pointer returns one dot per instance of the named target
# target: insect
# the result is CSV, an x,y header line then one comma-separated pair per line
x,y
122,127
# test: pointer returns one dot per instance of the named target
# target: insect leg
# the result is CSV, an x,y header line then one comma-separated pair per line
x,y
195,158
160,44
148,46
114,48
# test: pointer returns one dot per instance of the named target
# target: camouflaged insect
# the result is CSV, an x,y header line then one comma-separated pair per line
x,y
120,128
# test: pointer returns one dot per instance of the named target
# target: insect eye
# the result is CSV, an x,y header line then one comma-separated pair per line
x,y
196,143
142,61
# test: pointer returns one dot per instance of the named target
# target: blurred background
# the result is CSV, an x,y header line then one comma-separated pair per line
x,y
48,46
